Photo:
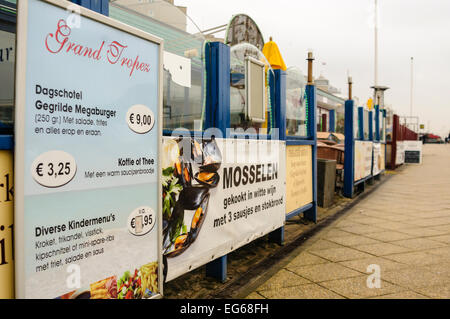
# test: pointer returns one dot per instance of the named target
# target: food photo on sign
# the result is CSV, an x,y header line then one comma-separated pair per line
x,y
187,177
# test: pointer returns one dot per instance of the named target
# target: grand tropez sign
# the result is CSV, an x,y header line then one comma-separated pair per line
x,y
87,166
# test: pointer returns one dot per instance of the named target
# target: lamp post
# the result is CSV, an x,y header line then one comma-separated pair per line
x,y
376,43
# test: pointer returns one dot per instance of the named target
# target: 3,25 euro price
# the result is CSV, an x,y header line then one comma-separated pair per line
x,y
53,169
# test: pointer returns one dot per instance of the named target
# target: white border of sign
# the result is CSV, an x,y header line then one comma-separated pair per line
x,y
20,89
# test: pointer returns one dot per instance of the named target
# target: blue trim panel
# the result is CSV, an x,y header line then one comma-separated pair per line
x,y
100,6
361,123
362,180
332,121
6,142
299,211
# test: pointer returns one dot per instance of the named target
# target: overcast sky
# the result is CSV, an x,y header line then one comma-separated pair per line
x,y
340,33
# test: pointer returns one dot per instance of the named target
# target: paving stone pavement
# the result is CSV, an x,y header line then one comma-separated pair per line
x,y
403,227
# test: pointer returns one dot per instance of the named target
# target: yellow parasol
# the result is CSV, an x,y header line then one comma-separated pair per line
x,y
273,55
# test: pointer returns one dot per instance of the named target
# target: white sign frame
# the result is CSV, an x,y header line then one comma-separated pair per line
x,y
248,81
20,93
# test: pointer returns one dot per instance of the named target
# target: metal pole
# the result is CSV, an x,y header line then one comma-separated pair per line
x,y
411,97
376,42
350,82
310,68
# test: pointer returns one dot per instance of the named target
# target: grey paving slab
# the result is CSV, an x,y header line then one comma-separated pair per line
x,y
324,272
437,292
333,232
382,249
339,254
419,243
309,291
353,240
283,279
414,278
402,295
418,258
363,229
442,239
362,265
388,236
255,295
357,287
305,259
322,244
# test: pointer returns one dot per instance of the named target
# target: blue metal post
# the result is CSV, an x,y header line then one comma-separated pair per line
x,y
349,156
370,126
6,142
217,115
217,269
332,121
361,123
279,102
377,123
100,6
279,113
311,213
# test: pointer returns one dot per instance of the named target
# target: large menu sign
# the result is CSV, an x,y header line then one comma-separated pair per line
x,y
363,159
218,195
88,130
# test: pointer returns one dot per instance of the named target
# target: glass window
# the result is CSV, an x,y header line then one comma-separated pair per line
x,y
296,103
323,119
7,63
184,64
374,121
388,123
366,124
356,132
238,112
340,122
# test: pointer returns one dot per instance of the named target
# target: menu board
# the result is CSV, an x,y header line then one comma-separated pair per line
x,y
413,152
88,133
299,179
363,159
